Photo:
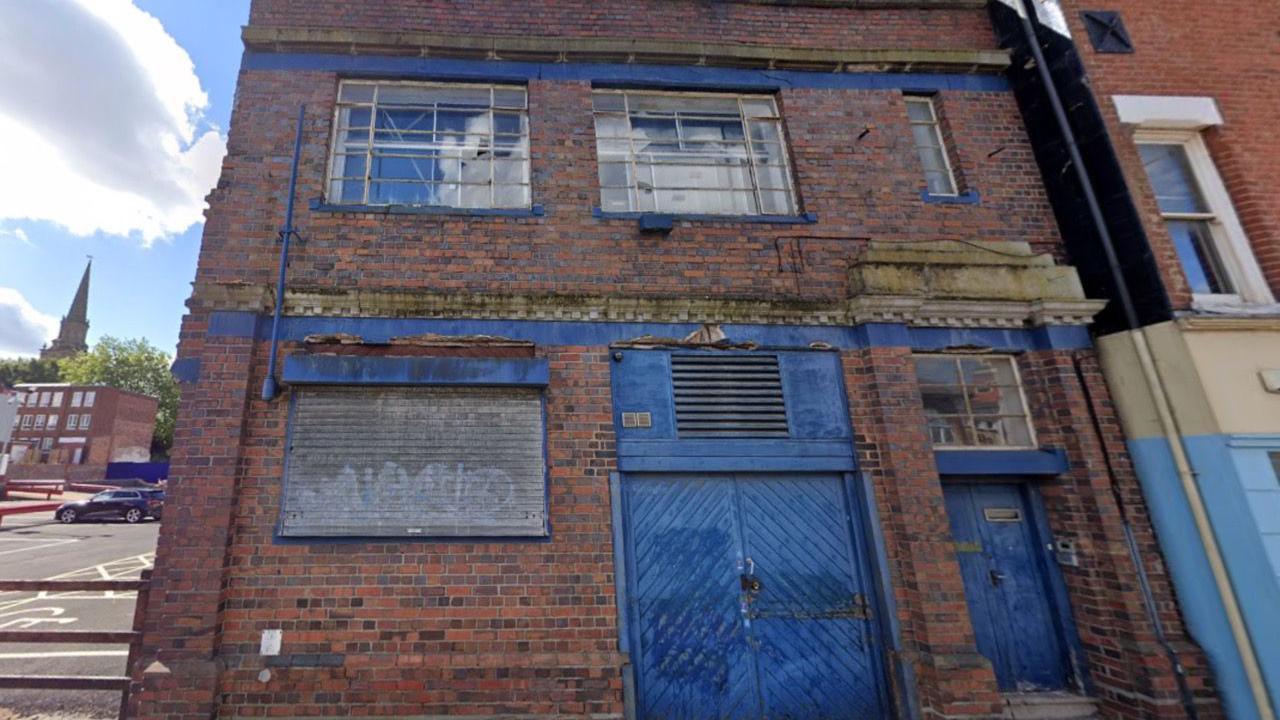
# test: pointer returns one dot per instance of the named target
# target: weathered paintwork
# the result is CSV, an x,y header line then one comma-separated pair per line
x,y
747,598
1006,586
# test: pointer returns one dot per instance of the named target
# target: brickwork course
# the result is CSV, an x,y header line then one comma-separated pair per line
x,y
501,628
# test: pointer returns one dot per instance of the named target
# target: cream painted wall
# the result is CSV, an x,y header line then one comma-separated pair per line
x,y
1228,363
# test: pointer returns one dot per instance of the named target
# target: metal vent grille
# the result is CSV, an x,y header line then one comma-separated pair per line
x,y
728,396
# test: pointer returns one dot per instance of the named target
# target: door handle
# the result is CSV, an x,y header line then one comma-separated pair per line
x,y
996,576
750,583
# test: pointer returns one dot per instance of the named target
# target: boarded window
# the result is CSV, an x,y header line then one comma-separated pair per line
x,y
416,461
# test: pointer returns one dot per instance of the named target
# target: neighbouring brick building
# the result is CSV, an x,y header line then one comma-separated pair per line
x,y
1171,105
59,425
651,359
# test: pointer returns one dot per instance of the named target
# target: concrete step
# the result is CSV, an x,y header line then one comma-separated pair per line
x,y
1049,706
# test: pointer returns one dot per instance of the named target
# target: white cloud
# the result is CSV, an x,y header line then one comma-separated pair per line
x,y
17,234
99,108
23,329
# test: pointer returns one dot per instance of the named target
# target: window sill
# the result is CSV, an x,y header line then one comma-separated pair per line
x,y
324,207
969,197
802,219
1232,305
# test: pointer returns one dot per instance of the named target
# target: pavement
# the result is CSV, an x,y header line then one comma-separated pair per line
x,y
35,547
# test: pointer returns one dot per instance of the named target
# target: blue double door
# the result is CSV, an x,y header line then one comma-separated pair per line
x,y
749,596
1008,583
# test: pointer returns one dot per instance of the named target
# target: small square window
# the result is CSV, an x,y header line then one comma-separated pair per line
x,y
973,401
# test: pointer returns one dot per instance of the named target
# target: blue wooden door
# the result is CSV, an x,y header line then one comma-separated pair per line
x,y
1006,586
748,598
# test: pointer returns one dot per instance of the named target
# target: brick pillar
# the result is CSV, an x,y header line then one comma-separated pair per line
x,y
894,450
182,624
1130,671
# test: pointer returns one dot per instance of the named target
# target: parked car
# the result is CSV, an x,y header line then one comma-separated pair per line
x,y
131,505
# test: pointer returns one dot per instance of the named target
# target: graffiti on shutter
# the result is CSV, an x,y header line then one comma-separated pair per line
x,y
416,461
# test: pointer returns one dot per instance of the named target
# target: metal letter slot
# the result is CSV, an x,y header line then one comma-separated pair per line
x,y
1002,514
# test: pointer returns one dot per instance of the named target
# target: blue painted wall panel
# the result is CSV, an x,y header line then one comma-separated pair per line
x,y
1188,564
609,75
363,370
548,332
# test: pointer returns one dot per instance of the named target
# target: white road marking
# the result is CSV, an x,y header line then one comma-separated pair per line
x,y
63,654
44,544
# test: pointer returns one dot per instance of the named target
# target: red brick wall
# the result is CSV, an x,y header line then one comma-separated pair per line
x,y
492,628
750,23
1224,50
868,188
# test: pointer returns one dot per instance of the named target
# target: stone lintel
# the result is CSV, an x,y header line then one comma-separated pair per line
x,y
347,41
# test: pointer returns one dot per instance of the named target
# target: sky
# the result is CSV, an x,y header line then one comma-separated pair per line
x,y
113,123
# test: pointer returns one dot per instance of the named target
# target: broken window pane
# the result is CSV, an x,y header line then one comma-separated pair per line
x,y
431,144
687,153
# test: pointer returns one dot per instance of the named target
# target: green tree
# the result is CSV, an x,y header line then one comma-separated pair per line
x,y
134,365
28,370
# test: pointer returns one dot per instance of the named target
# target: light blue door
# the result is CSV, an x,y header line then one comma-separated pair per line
x,y
748,598
1006,586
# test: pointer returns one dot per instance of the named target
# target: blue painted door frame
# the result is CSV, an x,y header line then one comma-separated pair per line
x,y
749,596
1016,598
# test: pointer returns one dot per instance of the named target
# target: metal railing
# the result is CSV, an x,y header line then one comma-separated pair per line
x,y
132,637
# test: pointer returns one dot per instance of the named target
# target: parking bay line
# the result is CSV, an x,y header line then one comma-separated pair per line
x,y
63,654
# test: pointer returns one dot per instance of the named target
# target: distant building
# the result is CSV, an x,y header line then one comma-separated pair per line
x,y
9,403
75,325
62,424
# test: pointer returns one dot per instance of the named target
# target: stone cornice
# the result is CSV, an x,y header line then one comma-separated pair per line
x,y
627,50
914,311
1230,323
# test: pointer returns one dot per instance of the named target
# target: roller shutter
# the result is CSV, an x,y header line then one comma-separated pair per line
x,y
416,461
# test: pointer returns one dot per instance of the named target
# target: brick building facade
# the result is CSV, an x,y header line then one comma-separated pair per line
x,y
750,381
64,424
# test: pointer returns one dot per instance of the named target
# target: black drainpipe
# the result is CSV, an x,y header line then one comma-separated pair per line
x,y
1025,11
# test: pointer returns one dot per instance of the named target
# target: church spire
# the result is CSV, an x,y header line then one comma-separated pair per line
x,y
75,324
80,305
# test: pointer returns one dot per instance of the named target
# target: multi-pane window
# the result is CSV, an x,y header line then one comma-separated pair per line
x,y
53,422
922,115
39,422
76,398
89,397
973,401
452,145
44,399
57,399
1190,220
84,422
26,421
691,153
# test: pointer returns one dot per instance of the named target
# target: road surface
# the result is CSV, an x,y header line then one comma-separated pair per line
x,y
34,547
